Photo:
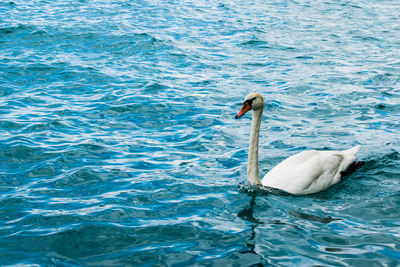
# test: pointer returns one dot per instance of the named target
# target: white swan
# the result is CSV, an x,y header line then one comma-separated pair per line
x,y
307,172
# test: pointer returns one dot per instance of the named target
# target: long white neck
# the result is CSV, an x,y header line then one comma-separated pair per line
x,y
252,164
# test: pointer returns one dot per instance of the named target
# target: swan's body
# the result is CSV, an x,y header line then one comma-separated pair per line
x,y
304,173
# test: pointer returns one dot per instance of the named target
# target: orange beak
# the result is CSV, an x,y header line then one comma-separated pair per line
x,y
246,107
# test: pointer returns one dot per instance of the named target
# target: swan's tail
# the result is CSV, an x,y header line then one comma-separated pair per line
x,y
352,152
350,163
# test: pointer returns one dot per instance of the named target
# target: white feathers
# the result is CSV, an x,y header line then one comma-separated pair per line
x,y
310,171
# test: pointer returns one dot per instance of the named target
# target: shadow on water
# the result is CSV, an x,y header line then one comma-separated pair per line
x,y
247,214
313,218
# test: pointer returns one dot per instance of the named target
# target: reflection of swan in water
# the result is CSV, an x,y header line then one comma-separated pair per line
x,y
307,172
247,214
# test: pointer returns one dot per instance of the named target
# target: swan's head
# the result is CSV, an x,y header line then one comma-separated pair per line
x,y
252,101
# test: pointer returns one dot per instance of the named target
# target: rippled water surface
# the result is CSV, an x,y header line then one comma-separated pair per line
x,y
118,144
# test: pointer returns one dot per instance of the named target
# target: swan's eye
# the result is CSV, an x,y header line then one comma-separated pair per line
x,y
250,101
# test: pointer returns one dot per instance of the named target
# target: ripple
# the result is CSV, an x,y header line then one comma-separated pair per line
x,y
20,154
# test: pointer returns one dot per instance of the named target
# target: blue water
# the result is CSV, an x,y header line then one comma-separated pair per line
x,y
118,144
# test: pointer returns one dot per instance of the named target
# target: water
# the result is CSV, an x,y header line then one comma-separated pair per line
x,y
118,144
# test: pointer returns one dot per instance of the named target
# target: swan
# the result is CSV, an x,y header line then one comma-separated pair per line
x,y
307,172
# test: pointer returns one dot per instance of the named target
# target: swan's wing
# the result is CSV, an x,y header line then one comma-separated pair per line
x,y
293,173
329,169
306,172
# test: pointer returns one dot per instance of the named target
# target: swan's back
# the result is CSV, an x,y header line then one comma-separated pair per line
x,y
310,171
